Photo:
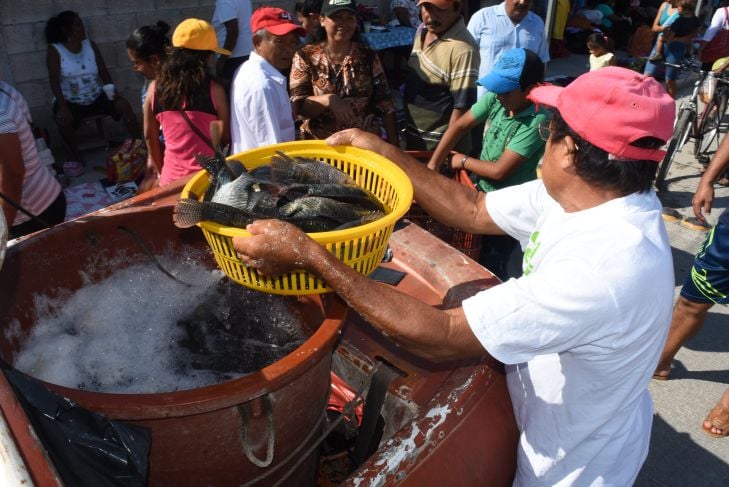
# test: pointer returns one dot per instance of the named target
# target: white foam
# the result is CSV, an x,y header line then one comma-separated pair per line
x,y
119,335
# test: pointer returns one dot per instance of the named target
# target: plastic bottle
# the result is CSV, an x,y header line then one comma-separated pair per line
x,y
708,87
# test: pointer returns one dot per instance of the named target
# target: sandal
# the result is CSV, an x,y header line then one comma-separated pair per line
x,y
720,422
694,224
670,214
73,169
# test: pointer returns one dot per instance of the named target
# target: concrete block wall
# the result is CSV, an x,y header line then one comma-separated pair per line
x,y
108,23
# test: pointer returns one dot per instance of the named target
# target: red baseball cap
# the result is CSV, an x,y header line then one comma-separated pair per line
x,y
276,21
612,107
441,4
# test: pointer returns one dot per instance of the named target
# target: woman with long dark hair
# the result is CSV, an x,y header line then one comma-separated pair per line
x,y
183,100
77,73
146,49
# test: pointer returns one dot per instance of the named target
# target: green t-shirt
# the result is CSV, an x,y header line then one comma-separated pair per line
x,y
519,134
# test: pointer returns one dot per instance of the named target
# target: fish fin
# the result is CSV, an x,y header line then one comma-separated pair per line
x,y
209,163
236,168
280,167
187,213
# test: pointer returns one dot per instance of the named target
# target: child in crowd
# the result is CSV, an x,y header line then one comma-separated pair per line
x,y
600,51
182,101
308,13
683,22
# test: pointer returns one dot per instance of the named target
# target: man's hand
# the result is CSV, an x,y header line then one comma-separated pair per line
x,y
357,138
276,247
703,199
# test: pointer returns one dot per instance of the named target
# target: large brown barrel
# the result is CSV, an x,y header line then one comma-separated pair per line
x,y
254,427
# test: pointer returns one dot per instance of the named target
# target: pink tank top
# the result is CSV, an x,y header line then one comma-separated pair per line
x,y
181,141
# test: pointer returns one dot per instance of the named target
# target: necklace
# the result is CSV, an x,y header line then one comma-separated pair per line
x,y
338,67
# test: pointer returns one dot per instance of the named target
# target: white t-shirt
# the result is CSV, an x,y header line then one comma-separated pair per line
x,y
580,333
262,112
240,10
597,62
718,21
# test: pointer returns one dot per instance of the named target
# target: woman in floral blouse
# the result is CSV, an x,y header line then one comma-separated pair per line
x,y
339,83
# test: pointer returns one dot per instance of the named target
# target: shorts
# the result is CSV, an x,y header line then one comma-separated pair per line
x,y
101,106
708,281
673,52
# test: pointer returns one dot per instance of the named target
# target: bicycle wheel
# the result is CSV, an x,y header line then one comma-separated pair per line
x,y
680,133
707,130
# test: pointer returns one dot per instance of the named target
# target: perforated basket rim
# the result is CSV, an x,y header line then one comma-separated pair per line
x,y
317,148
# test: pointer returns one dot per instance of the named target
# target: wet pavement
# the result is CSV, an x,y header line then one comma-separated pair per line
x,y
681,455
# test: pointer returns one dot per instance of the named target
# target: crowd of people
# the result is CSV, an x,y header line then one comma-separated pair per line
x,y
579,343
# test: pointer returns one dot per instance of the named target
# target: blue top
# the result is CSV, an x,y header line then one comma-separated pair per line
x,y
495,33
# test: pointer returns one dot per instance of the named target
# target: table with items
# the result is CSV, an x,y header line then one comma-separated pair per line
x,y
379,38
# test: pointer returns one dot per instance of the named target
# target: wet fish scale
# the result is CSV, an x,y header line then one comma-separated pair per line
x,y
303,170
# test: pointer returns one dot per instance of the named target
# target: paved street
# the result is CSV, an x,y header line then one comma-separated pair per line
x,y
681,455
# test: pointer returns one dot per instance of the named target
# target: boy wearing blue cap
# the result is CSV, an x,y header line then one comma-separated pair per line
x,y
512,146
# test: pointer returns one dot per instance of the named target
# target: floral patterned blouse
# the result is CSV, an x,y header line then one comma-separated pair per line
x,y
359,77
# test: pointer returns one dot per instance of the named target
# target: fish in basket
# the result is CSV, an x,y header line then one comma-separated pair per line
x,y
345,198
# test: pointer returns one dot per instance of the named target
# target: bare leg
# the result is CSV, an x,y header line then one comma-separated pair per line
x,y
717,422
688,317
68,134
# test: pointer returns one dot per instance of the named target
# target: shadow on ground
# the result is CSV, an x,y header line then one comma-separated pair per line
x,y
678,453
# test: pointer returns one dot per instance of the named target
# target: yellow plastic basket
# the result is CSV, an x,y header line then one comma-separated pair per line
x,y
361,248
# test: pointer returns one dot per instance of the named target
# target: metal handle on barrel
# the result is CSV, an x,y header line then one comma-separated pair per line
x,y
244,419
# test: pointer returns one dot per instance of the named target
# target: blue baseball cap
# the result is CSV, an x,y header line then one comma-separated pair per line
x,y
507,71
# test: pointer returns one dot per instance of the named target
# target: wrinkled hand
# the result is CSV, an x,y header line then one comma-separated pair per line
x,y
275,247
342,111
702,200
357,138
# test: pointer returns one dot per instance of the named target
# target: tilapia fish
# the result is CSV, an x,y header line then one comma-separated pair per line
x,y
303,170
221,171
311,194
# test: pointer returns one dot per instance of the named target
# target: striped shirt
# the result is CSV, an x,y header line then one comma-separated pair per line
x,y
442,78
40,188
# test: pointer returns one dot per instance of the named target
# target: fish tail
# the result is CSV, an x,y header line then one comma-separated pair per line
x,y
187,213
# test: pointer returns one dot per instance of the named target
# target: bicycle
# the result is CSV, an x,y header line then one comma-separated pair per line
x,y
704,128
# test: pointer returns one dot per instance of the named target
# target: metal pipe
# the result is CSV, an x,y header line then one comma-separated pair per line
x,y
549,19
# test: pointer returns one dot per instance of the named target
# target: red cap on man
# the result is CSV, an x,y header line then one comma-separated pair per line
x,y
441,4
276,21
611,108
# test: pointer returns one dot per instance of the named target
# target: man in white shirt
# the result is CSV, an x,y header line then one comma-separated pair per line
x,y
261,108
498,28
581,331
231,20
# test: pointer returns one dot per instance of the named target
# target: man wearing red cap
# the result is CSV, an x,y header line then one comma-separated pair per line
x,y
262,112
441,83
581,331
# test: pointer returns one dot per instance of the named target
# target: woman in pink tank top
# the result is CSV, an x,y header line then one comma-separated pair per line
x,y
183,101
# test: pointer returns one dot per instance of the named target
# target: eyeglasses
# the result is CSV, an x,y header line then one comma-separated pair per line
x,y
545,130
